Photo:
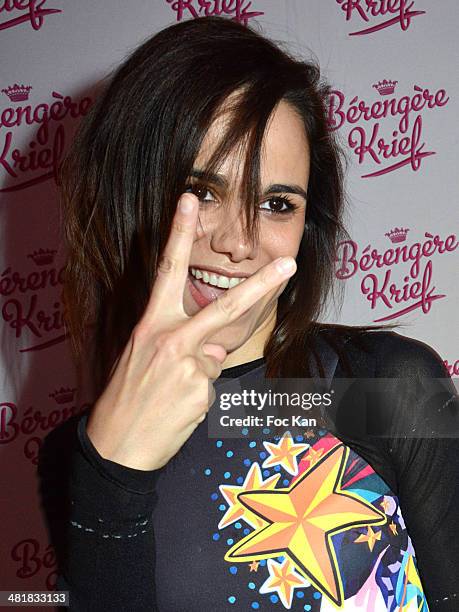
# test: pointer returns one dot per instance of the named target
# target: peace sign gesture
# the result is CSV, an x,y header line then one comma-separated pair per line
x,y
159,390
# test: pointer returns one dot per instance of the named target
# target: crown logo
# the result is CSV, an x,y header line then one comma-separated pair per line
x,y
43,257
63,395
17,93
385,87
398,234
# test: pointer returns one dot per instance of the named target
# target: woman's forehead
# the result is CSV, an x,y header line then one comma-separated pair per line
x,y
284,152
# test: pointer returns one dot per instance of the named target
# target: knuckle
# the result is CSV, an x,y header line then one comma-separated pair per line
x,y
215,369
166,265
265,278
190,367
179,227
226,304
218,368
168,343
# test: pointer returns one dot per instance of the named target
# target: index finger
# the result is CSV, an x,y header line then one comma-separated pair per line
x,y
172,269
230,305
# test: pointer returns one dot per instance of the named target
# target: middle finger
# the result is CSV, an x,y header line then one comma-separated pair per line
x,y
230,305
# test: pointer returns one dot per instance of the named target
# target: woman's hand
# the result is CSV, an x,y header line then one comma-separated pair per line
x,y
160,387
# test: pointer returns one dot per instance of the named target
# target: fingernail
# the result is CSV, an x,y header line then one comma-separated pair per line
x,y
186,205
285,264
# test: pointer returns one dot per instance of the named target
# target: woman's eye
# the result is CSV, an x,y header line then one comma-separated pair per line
x,y
200,191
277,205
280,205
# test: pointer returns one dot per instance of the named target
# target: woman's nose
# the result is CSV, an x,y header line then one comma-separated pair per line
x,y
228,237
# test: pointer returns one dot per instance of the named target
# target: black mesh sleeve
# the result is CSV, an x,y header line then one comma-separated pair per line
x,y
423,446
109,557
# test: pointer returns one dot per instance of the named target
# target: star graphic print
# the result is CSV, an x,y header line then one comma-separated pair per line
x,y
309,518
301,520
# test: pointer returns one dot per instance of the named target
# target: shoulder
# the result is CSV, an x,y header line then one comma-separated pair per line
x,y
398,355
385,353
416,397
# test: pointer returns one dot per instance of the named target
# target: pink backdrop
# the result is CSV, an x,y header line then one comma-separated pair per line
x,y
392,64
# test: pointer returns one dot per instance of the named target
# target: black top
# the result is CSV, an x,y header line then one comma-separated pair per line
x,y
330,519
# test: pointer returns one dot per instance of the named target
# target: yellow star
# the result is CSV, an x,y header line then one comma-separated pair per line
x,y
302,520
393,528
283,580
385,504
370,537
254,566
284,453
313,456
236,511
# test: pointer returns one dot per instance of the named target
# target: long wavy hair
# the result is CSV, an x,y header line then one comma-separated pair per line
x,y
129,162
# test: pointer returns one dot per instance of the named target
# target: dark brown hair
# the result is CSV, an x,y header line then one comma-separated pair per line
x,y
128,166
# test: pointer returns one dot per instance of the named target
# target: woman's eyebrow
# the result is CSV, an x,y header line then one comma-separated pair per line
x,y
221,181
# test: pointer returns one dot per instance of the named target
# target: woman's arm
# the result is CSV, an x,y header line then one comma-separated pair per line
x,y
109,550
423,446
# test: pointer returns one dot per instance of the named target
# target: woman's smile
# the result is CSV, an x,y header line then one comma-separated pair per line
x,y
203,293
218,277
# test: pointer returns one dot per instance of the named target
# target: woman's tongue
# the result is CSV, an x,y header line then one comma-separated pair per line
x,y
210,292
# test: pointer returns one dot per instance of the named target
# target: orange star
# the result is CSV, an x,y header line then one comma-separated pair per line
x,y
393,528
283,580
236,511
385,504
370,537
313,456
254,566
302,520
284,453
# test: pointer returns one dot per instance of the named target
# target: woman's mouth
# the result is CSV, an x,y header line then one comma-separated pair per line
x,y
204,287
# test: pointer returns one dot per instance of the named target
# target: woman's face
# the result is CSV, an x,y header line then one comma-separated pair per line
x,y
220,247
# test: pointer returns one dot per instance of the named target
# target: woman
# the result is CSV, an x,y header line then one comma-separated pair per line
x,y
230,284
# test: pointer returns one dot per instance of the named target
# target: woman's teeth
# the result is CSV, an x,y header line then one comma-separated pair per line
x,y
218,280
